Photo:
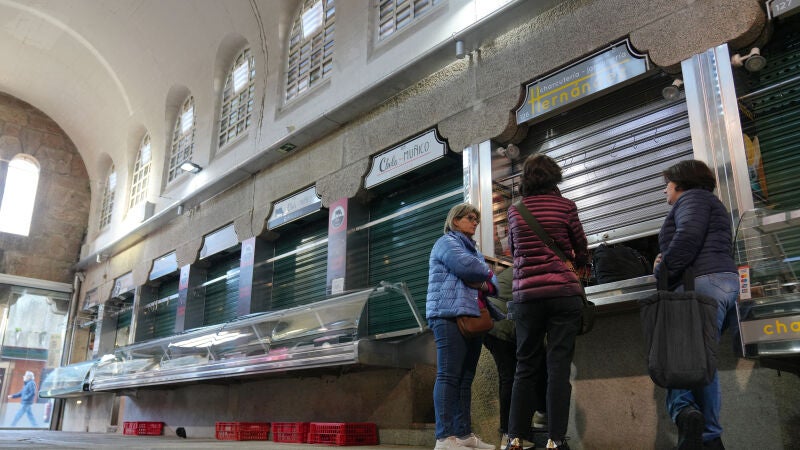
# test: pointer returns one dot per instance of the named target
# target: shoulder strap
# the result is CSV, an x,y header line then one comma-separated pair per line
x,y
539,230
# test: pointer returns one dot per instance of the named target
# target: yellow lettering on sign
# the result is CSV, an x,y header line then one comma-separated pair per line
x,y
781,327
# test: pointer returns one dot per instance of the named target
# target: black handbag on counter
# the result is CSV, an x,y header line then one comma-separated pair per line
x,y
588,309
680,335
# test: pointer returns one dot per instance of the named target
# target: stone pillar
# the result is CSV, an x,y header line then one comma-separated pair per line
x,y
190,298
254,281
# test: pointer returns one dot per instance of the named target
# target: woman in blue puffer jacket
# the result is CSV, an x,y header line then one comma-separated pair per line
x,y
458,281
696,235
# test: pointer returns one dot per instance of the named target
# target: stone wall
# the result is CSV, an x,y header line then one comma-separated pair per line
x,y
62,199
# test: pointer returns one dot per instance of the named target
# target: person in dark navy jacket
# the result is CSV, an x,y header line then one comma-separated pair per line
x,y
697,234
458,282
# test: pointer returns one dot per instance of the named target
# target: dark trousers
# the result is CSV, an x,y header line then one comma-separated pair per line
x,y
559,318
505,357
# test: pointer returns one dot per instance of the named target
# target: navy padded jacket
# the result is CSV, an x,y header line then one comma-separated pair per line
x,y
697,233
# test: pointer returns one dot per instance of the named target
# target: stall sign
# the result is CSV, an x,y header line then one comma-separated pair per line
x,y
122,285
413,153
580,80
294,207
784,328
165,265
778,8
219,240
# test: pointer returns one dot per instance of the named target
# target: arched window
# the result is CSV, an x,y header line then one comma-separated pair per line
x,y
310,46
182,139
107,206
395,15
141,173
238,98
19,195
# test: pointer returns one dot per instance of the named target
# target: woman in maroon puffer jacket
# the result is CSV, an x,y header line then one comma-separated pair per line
x,y
547,299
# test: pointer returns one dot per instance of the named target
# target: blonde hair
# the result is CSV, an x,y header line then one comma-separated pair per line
x,y
457,212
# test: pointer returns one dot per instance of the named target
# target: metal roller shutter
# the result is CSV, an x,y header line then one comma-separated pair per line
x,y
612,152
222,288
406,225
301,264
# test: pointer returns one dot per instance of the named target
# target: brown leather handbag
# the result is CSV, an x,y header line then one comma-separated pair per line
x,y
475,326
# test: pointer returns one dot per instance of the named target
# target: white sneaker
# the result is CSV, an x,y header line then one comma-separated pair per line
x,y
450,443
473,441
539,420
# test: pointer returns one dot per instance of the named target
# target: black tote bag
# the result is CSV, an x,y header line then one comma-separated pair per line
x,y
681,336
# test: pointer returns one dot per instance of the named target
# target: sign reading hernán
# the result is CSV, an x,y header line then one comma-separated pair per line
x,y
415,152
586,77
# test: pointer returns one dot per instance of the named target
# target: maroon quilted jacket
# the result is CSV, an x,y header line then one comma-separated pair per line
x,y
538,272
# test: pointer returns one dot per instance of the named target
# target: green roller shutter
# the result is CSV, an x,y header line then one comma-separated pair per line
x,y
222,288
300,269
123,325
157,318
399,248
771,113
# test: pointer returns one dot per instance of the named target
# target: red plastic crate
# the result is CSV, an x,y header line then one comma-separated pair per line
x,y
143,428
242,431
343,433
295,432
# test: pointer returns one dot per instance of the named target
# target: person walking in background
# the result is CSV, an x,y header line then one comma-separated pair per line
x,y
458,281
547,300
697,234
27,396
501,342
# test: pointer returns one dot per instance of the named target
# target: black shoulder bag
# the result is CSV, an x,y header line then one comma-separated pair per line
x,y
588,309
680,335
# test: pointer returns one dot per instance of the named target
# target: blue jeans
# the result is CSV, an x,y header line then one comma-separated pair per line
x,y
456,362
724,287
25,408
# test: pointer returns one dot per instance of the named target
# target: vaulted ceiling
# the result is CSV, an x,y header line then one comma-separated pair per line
x,y
103,70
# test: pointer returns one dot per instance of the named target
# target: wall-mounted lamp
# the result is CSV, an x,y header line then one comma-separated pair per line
x,y
511,151
460,49
752,62
189,166
101,257
673,91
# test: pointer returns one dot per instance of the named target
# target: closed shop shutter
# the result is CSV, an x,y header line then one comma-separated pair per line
x,y
166,311
770,101
612,151
406,225
300,265
222,288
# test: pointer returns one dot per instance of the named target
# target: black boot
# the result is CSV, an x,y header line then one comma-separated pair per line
x,y
714,444
690,423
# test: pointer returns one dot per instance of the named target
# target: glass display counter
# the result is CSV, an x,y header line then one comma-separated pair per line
x,y
767,251
67,381
326,333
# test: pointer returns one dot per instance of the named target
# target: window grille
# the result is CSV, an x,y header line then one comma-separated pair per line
x,y
394,15
182,139
19,195
238,98
310,47
108,198
141,173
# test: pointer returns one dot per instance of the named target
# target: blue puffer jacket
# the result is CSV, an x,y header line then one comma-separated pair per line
x,y
455,260
697,234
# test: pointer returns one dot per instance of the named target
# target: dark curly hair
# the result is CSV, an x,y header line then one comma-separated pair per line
x,y
691,174
540,175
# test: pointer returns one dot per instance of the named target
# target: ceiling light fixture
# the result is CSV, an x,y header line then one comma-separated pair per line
x,y
673,91
189,166
752,62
